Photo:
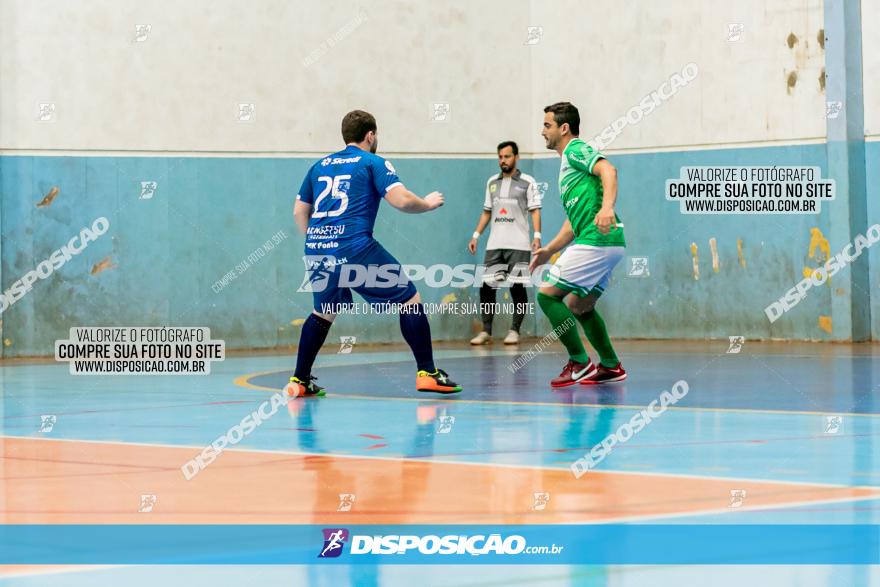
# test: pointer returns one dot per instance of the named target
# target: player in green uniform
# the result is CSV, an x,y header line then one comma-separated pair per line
x,y
588,186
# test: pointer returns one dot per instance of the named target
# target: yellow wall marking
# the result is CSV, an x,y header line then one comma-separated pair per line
x,y
713,247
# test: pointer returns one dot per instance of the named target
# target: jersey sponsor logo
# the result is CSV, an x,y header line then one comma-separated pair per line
x,y
390,168
502,218
339,160
326,231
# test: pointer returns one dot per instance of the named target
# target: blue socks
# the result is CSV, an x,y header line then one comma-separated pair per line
x,y
311,339
413,325
417,334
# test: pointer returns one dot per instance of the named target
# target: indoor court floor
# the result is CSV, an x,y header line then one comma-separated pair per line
x,y
778,433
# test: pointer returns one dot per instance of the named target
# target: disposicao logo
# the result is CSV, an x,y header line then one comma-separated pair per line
x,y
334,540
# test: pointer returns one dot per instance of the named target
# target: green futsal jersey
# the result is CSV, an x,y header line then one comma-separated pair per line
x,y
582,196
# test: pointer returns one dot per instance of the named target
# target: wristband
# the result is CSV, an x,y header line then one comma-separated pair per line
x,y
537,234
475,235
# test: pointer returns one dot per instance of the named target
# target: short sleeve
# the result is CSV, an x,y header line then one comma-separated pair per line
x,y
487,203
583,157
533,195
384,175
306,194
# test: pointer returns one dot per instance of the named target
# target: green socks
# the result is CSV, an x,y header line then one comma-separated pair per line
x,y
597,334
563,323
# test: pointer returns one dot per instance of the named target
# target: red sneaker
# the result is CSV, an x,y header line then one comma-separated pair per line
x,y
573,372
605,375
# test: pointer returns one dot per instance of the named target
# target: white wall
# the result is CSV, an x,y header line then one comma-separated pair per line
x,y
605,56
179,89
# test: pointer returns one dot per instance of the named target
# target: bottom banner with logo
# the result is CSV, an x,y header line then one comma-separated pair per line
x,y
456,544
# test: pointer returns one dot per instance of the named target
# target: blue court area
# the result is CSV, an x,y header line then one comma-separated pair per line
x,y
773,434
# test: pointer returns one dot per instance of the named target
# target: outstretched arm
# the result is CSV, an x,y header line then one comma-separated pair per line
x,y
406,201
559,242
562,238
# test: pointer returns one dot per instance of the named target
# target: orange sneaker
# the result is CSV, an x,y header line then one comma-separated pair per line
x,y
299,388
438,381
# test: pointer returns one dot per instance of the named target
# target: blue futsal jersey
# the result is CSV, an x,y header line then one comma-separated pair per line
x,y
345,190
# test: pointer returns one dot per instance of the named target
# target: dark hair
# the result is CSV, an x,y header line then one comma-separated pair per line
x,y
566,112
510,144
356,125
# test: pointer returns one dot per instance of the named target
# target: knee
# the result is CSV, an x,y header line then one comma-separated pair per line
x,y
581,307
327,317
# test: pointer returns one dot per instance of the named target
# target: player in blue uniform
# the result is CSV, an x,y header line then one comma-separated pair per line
x,y
336,209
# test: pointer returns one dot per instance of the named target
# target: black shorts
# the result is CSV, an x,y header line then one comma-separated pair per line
x,y
504,264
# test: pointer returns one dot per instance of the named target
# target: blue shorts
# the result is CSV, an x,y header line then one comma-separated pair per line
x,y
373,273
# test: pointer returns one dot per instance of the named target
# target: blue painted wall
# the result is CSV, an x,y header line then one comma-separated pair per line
x,y
209,214
872,172
671,303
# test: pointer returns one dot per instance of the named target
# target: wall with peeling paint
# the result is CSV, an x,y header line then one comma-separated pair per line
x,y
179,90
205,217
624,51
672,302
208,214
204,57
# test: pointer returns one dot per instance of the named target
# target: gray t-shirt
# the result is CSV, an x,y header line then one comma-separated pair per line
x,y
509,199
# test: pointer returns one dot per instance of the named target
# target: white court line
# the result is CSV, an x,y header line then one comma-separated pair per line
x,y
73,568
467,463
243,381
613,520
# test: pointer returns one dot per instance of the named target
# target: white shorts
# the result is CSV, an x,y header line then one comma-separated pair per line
x,y
584,269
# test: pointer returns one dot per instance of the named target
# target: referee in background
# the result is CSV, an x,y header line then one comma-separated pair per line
x,y
511,197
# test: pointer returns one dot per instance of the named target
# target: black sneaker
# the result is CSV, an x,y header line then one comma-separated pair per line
x,y
605,375
304,388
437,381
